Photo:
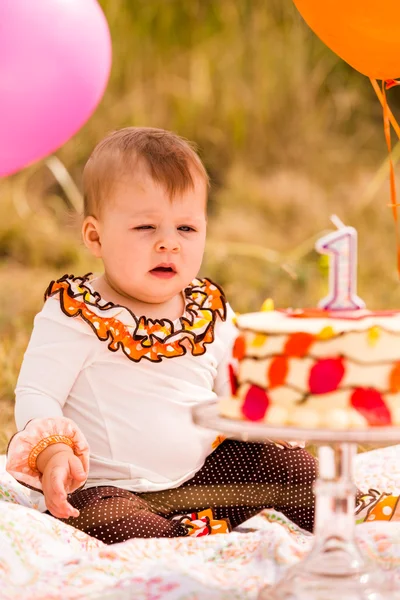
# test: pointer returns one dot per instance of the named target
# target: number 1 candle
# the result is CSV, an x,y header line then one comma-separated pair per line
x,y
341,247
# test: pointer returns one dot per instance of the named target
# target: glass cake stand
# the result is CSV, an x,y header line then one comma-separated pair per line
x,y
335,567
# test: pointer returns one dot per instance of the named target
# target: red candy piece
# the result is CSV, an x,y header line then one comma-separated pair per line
x,y
255,403
326,375
233,380
371,405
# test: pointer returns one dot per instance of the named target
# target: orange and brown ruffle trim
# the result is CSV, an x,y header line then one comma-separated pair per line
x,y
140,337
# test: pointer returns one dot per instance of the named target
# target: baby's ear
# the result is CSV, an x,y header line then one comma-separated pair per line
x,y
91,235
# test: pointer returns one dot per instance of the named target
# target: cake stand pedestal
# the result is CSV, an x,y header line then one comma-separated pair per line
x,y
335,567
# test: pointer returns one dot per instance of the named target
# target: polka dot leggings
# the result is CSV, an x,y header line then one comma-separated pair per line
x,y
237,481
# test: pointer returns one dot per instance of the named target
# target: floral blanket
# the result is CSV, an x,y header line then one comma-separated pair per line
x,y
41,558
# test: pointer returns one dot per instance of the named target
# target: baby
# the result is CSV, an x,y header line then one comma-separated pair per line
x,y
116,363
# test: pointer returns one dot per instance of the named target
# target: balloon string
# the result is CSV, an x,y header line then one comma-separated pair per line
x,y
386,127
392,120
388,119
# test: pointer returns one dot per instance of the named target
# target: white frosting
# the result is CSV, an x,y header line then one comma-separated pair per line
x,y
305,417
255,371
230,407
279,322
277,415
360,347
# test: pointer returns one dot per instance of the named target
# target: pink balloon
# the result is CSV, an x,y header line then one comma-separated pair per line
x,y
55,59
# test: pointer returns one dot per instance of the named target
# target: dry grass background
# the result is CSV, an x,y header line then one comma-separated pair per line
x,y
288,132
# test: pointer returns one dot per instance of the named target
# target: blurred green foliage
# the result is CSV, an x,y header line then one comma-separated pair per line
x,y
289,133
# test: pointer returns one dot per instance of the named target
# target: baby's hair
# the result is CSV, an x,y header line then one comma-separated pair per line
x,y
170,160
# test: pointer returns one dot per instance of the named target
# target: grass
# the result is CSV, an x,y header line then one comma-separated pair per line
x,y
288,132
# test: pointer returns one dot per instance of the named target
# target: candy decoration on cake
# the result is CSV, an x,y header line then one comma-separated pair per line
x,y
277,371
326,375
371,405
239,348
255,403
267,305
373,336
233,379
298,344
395,379
326,333
259,340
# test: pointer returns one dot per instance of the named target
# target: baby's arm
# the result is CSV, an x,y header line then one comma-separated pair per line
x,y
49,452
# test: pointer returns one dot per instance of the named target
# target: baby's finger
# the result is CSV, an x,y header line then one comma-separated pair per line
x,y
58,483
57,480
61,509
77,470
72,512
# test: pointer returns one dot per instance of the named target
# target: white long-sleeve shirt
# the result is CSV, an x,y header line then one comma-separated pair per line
x,y
128,383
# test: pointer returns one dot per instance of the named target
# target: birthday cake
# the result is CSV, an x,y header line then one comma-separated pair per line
x,y
336,366
316,369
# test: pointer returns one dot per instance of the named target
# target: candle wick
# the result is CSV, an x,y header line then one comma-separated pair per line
x,y
337,222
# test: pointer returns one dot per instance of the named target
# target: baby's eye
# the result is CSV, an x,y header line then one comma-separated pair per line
x,y
186,228
144,227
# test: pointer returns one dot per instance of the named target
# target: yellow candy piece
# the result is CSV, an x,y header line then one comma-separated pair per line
x,y
326,333
373,335
235,318
267,305
259,340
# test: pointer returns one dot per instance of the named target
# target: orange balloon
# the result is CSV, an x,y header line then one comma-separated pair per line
x,y
365,33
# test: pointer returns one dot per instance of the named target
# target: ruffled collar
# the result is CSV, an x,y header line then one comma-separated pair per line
x,y
139,337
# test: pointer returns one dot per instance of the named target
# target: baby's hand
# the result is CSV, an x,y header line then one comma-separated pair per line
x,y
62,474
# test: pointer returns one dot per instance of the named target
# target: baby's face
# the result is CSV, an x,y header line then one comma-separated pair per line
x,y
151,246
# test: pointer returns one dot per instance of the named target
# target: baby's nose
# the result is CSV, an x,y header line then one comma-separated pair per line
x,y
168,244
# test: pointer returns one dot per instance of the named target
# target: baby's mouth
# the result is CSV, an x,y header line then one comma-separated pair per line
x,y
164,271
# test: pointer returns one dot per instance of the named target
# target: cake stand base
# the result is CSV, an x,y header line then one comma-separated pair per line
x,y
325,589
330,575
335,568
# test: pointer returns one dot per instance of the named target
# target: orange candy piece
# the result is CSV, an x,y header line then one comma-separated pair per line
x,y
298,344
394,380
277,371
239,348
